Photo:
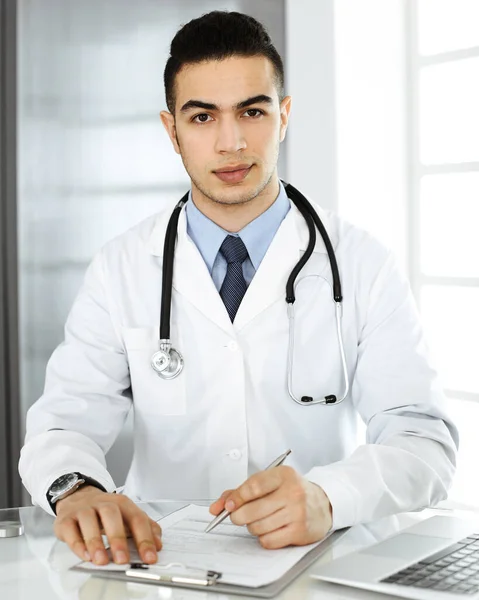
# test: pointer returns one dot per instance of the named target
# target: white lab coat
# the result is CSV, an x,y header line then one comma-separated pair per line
x,y
229,413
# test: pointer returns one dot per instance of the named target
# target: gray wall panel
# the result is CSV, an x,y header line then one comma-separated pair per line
x,y
10,488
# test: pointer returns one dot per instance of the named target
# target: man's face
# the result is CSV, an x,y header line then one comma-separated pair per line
x,y
227,126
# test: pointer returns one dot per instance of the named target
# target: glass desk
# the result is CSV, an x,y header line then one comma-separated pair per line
x,y
35,565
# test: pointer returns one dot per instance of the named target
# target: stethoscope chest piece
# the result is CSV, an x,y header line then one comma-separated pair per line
x,y
167,362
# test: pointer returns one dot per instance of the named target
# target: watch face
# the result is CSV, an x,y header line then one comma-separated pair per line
x,y
63,483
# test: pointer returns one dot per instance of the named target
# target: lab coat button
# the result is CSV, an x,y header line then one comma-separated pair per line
x,y
235,454
233,346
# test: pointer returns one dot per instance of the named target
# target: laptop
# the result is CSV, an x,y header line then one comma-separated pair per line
x,y
437,558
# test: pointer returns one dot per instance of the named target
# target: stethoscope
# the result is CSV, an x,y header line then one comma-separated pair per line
x,y
168,362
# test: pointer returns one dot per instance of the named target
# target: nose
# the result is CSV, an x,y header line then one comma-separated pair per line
x,y
230,137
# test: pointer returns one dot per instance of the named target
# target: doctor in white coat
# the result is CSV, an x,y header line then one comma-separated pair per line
x,y
214,427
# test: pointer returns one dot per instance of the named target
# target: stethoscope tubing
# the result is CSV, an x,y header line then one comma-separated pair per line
x,y
308,212
168,264
313,223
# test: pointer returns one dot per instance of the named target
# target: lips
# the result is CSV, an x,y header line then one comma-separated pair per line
x,y
233,174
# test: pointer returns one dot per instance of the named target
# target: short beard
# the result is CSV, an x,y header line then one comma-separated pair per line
x,y
235,202
243,199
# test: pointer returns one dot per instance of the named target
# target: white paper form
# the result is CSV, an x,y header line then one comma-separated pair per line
x,y
229,549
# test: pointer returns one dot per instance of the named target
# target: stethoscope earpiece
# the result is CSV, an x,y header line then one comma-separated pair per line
x,y
332,399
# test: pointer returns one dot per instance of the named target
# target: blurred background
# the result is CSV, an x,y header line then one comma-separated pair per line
x,y
384,130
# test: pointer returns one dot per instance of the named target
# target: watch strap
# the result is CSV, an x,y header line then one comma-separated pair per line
x,y
86,481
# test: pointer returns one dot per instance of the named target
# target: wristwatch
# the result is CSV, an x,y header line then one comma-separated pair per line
x,y
66,484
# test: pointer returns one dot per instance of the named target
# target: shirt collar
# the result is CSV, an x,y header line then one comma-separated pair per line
x,y
257,235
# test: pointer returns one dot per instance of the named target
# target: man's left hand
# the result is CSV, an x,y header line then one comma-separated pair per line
x,y
280,507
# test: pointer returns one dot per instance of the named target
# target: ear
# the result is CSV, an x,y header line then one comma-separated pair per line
x,y
285,109
168,121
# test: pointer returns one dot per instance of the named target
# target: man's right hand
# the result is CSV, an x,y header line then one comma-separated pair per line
x,y
88,513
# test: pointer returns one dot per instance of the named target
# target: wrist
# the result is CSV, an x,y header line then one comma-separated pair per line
x,y
324,503
82,492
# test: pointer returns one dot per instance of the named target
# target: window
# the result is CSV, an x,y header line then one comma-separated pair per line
x,y
444,207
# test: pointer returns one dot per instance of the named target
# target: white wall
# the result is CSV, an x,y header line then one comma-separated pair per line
x,y
310,64
371,118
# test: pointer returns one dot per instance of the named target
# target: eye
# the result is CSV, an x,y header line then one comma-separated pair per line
x,y
254,113
201,118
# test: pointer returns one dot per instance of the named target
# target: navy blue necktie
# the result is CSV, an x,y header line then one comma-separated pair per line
x,y
234,284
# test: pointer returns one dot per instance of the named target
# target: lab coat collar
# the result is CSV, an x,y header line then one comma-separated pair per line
x,y
156,240
192,279
269,283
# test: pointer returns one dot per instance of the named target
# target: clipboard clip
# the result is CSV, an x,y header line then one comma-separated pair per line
x,y
150,573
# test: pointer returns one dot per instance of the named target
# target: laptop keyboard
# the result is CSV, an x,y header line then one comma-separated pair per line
x,y
455,569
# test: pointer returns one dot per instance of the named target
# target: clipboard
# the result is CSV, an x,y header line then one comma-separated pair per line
x,y
177,575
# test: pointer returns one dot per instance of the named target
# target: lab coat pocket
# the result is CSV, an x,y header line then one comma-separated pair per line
x,y
151,393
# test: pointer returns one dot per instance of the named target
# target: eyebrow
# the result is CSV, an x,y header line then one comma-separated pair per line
x,y
260,99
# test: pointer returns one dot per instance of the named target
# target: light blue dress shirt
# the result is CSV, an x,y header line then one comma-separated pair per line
x,y
256,236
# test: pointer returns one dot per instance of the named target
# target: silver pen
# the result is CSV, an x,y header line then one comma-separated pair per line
x,y
223,514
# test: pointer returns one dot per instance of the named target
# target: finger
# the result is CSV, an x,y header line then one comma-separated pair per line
x,y
156,531
218,505
89,526
141,530
69,532
270,523
258,485
112,521
280,538
259,509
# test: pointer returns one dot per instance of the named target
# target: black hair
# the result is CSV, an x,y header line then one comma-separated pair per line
x,y
215,36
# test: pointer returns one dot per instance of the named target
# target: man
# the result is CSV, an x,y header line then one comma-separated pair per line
x,y
215,426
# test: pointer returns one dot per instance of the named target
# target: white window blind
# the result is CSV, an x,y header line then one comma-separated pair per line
x,y
443,95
